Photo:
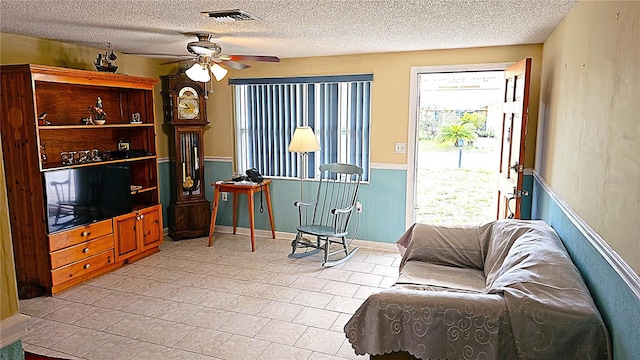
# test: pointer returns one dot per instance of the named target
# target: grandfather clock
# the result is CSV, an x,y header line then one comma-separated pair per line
x,y
185,112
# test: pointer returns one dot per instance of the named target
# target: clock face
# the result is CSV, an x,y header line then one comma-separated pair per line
x,y
188,104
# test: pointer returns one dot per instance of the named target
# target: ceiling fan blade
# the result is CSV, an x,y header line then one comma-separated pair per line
x,y
179,61
251,58
158,55
235,65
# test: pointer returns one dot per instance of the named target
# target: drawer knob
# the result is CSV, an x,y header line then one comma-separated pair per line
x,y
87,266
141,217
86,233
85,250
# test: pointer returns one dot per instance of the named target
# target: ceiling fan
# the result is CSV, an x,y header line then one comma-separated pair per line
x,y
209,58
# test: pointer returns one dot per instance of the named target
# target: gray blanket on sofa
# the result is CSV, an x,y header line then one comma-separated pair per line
x,y
503,290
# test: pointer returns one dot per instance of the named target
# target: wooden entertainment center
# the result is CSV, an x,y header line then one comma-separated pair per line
x,y
33,145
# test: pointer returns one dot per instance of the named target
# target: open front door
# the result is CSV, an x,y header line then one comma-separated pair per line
x,y
514,129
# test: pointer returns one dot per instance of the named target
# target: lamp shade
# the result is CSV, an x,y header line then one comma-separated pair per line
x,y
198,72
218,72
304,140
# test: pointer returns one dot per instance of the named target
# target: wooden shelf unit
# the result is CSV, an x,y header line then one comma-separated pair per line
x,y
65,95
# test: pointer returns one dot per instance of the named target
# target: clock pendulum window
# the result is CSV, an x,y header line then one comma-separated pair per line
x,y
185,113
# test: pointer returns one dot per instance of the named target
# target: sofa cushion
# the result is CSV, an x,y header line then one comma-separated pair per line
x,y
502,234
432,325
443,245
426,274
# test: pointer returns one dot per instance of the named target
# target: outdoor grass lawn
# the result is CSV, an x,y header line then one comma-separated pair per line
x,y
447,194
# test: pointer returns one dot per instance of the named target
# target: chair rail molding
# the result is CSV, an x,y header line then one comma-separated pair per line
x,y
227,159
623,269
388,166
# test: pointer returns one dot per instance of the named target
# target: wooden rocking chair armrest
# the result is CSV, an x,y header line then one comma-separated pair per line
x,y
300,203
54,182
342,211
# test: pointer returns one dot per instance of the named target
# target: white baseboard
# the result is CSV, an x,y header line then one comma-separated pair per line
x,y
13,329
259,232
287,236
376,245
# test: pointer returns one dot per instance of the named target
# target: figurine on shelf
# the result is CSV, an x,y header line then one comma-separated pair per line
x,y
99,114
41,119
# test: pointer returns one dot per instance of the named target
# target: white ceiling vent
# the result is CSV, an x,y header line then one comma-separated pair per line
x,y
226,16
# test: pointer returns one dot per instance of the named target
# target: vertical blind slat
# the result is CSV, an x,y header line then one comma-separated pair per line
x,y
253,114
258,129
310,120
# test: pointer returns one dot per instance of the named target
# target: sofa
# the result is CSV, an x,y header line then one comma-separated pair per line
x,y
502,290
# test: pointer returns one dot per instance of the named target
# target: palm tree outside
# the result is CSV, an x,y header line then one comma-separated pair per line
x,y
455,132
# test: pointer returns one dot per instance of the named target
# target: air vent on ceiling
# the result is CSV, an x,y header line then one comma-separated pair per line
x,y
230,15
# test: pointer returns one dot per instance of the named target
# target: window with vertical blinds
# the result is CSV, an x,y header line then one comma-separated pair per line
x,y
268,110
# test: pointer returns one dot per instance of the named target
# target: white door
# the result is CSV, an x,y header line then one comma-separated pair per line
x,y
514,130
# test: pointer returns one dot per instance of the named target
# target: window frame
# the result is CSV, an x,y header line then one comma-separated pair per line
x,y
322,102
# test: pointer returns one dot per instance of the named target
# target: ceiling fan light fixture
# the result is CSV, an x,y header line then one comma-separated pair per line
x,y
218,72
198,72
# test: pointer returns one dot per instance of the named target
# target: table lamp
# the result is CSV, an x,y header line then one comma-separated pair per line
x,y
304,141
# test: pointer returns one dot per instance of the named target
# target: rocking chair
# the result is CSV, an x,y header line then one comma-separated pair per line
x,y
327,217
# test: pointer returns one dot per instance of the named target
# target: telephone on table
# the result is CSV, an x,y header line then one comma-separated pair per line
x,y
253,175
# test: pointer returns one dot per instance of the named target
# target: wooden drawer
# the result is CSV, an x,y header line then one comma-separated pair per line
x,y
81,268
79,235
81,251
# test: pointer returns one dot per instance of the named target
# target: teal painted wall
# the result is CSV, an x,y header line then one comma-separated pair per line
x,y
619,306
164,181
12,351
382,218
525,204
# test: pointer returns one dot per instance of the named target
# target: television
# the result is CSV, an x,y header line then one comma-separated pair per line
x,y
79,196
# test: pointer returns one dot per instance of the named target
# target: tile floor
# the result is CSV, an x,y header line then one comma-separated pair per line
x,y
224,302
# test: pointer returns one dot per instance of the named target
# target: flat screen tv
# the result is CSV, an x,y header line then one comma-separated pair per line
x,y
80,196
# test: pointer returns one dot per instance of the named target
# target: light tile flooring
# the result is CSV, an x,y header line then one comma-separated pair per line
x,y
193,302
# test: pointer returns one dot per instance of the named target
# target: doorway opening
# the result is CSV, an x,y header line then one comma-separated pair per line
x,y
457,146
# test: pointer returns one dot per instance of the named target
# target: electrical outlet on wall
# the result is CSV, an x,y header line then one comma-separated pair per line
x,y
358,207
401,148
224,196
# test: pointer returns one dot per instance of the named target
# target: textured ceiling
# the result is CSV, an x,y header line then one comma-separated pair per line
x,y
287,28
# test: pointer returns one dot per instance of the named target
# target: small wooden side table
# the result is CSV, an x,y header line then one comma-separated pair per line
x,y
241,188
